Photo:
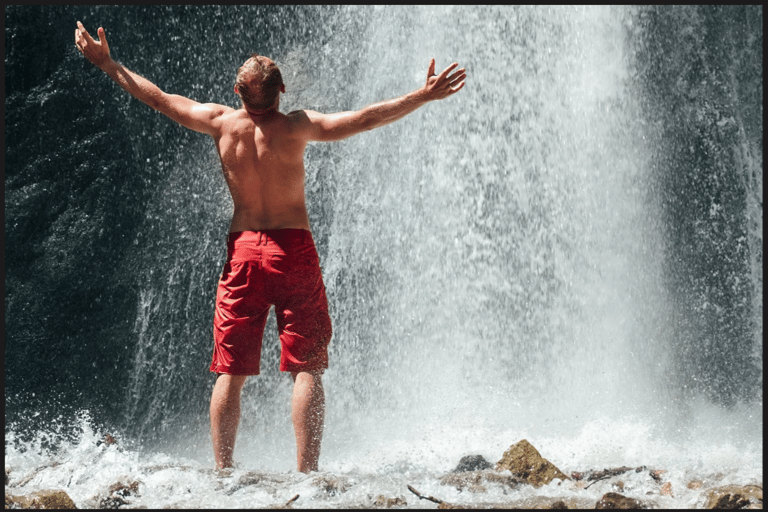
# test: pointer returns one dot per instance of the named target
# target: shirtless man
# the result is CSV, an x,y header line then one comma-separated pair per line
x,y
271,256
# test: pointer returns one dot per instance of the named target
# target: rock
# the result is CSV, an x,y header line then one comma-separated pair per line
x,y
695,484
525,462
118,492
473,480
616,500
46,499
734,496
467,479
656,474
331,485
384,502
666,489
607,473
472,463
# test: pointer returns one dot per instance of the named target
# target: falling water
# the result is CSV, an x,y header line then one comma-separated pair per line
x,y
521,260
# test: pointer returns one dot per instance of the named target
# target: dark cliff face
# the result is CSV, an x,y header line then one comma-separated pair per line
x,y
701,71
115,216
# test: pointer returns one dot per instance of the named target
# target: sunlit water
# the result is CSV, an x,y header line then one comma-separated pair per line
x,y
494,264
382,461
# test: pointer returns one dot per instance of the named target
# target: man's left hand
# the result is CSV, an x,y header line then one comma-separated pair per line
x,y
95,51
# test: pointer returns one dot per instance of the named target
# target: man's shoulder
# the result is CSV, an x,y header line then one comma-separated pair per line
x,y
221,110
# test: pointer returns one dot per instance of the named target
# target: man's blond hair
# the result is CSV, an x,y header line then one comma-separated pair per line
x,y
258,82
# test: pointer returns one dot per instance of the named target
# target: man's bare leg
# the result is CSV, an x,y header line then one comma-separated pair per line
x,y
225,416
308,414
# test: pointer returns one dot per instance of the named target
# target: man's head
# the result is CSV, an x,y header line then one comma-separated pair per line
x,y
259,83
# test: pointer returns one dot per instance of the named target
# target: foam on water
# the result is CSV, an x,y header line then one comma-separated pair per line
x,y
717,449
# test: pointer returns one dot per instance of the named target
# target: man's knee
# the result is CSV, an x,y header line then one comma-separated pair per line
x,y
228,387
315,375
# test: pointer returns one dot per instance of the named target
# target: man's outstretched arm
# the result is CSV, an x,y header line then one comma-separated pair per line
x,y
332,127
189,113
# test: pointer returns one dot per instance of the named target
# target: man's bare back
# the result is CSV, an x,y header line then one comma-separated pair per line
x,y
262,158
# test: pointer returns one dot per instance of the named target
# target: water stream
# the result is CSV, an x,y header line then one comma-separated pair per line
x,y
568,251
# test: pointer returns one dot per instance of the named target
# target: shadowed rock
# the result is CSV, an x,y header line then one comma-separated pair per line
x,y
525,462
734,496
616,500
472,463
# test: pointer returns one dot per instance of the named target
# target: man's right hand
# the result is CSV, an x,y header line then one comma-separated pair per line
x,y
442,85
95,51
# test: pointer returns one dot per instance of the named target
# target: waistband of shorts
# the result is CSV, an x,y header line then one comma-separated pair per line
x,y
280,237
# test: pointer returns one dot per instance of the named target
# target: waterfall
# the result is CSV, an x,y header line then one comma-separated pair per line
x,y
574,236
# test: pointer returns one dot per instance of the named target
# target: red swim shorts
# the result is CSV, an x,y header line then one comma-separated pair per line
x,y
277,267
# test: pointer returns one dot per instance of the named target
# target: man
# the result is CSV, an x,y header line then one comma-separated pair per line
x,y
271,256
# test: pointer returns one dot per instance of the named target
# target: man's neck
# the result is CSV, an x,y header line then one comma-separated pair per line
x,y
261,113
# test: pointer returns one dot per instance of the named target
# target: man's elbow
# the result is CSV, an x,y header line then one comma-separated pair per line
x,y
368,123
153,102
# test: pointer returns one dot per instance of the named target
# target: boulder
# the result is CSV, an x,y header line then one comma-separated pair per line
x,y
472,463
46,499
616,500
734,496
525,462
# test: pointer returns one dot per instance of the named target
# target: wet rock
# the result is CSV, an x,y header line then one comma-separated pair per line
x,y
473,480
656,474
465,480
616,500
118,492
108,440
607,473
331,485
530,503
382,501
695,485
734,496
666,489
47,499
472,463
525,462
